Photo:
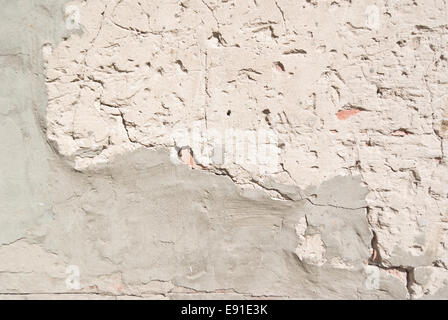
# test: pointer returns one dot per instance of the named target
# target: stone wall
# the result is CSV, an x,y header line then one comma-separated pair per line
x,y
224,149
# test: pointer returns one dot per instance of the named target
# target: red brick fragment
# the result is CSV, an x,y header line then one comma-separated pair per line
x,y
345,114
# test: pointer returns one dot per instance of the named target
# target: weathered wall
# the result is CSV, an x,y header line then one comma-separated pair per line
x,y
350,201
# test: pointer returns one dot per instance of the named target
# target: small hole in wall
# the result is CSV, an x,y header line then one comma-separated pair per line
x,y
181,150
401,43
266,111
229,112
279,66
181,66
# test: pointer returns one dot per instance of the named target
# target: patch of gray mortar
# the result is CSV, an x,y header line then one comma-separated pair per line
x,y
196,233
26,25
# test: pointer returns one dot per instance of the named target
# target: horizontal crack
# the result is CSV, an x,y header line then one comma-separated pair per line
x,y
333,206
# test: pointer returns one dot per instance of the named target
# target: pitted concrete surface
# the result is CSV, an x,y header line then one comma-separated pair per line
x,y
93,205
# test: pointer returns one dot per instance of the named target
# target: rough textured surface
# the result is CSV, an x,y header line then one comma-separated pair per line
x,y
355,97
